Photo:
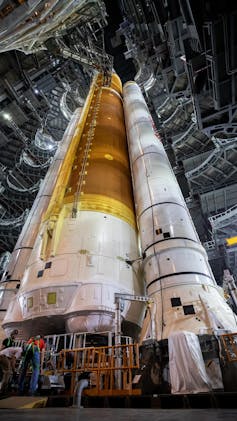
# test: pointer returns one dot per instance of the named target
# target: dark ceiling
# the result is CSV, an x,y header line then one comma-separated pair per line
x,y
115,43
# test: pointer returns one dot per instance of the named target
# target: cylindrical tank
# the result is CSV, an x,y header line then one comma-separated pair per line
x,y
26,240
88,232
177,273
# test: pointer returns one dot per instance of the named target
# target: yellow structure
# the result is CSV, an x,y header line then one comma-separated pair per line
x,y
95,175
231,241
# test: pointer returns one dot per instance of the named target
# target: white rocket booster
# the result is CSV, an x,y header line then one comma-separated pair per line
x,y
177,273
71,254
26,240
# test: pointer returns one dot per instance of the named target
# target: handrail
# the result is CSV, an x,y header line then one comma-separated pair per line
x,y
111,367
14,222
176,111
67,113
211,159
30,189
192,128
223,216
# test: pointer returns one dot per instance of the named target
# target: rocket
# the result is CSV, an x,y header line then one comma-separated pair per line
x,y
178,276
71,255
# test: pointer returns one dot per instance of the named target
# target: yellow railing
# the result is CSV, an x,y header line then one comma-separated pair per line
x,y
111,368
229,341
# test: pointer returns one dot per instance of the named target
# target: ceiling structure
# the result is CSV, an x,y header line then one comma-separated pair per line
x,y
182,53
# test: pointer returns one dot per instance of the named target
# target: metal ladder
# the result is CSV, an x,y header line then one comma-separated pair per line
x,y
90,136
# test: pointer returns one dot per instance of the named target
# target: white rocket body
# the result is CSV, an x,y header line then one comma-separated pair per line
x,y
177,273
76,288
72,266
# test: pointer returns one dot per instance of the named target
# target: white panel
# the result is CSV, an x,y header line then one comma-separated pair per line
x,y
89,266
58,269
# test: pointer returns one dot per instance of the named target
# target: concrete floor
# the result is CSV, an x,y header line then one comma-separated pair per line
x,y
117,414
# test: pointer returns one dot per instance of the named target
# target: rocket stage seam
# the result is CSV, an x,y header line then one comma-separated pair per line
x,y
167,239
161,203
177,274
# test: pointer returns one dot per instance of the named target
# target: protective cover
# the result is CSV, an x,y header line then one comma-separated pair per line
x,y
187,368
12,351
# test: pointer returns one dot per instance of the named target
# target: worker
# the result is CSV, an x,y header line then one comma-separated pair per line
x,y
5,367
8,357
10,341
34,355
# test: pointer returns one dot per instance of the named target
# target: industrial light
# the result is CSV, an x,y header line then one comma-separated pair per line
x,y
36,91
108,156
7,116
231,241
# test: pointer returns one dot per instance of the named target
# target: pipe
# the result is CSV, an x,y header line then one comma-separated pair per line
x,y
80,386
117,340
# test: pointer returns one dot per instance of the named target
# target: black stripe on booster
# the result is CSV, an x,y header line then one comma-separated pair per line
x,y
178,274
168,239
162,203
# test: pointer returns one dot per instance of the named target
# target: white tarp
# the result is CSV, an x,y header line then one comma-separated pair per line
x,y
186,364
12,351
